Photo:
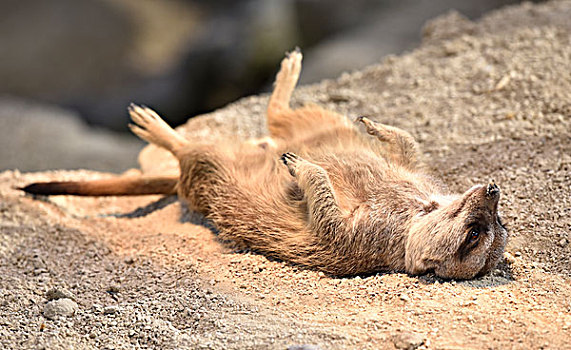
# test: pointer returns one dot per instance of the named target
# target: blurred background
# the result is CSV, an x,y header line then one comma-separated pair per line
x,y
69,68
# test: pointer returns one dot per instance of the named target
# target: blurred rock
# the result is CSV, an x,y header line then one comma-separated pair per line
x,y
188,57
39,137
385,27
91,54
55,50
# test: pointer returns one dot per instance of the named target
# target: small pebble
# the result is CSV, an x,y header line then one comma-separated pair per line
x,y
60,307
510,259
408,340
111,310
59,293
113,289
303,347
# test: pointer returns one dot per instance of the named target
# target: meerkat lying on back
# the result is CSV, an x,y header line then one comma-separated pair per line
x,y
320,193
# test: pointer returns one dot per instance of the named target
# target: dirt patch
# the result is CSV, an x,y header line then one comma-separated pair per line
x,y
486,100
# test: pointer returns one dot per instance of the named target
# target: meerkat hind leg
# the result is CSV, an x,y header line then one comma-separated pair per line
x,y
286,123
285,83
281,118
149,126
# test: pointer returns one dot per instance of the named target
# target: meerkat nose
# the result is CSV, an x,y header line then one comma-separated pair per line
x,y
492,189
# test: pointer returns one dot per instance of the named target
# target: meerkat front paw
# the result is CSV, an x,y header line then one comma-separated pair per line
x,y
291,160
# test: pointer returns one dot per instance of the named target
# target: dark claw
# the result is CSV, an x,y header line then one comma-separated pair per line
x,y
359,119
287,159
132,107
295,50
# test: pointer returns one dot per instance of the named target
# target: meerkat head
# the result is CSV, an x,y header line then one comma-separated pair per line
x,y
462,239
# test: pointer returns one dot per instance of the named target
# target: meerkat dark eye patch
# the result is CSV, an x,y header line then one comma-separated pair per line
x,y
471,241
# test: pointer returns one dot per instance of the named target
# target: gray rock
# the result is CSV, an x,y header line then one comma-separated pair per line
x,y
60,308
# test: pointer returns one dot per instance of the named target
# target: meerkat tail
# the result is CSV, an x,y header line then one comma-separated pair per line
x,y
120,186
149,126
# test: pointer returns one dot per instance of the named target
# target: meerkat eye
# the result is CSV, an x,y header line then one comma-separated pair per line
x,y
474,234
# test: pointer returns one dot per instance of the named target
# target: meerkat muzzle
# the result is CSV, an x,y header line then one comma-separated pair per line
x,y
492,190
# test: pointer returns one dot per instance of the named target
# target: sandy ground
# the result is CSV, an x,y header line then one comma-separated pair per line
x,y
486,100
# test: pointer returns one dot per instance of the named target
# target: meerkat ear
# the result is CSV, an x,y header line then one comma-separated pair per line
x,y
428,206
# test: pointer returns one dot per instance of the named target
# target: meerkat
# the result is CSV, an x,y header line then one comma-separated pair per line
x,y
319,193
